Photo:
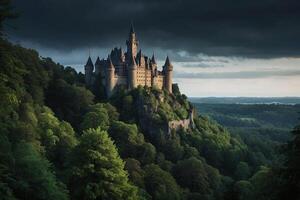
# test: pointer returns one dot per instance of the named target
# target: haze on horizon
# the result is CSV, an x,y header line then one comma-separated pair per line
x,y
218,48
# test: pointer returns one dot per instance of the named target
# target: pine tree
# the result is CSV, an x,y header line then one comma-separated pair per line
x,y
97,169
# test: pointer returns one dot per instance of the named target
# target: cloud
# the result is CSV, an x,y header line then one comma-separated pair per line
x,y
200,65
237,75
257,29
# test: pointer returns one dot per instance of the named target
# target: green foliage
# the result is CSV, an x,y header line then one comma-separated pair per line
x,y
131,143
136,173
126,137
289,173
98,168
57,137
32,176
243,190
69,102
160,184
242,171
96,117
197,176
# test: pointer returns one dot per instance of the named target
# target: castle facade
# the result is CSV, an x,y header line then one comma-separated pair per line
x,y
130,69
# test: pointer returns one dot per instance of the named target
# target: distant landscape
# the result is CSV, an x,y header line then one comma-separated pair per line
x,y
246,100
261,123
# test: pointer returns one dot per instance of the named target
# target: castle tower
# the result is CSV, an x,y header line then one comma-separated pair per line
x,y
153,62
110,77
168,70
97,66
132,73
132,43
153,69
88,71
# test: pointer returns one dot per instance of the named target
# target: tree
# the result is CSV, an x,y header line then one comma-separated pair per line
x,y
33,177
160,184
126,137
136,173
195,175
6,164
97,171
94,120
97,117
263,181
69,102
242,171
289,174
146,153
57,137
243,190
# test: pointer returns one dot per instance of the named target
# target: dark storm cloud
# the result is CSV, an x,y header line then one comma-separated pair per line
x,y
260,28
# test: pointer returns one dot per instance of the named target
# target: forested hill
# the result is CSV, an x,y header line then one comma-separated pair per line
x,y
61,140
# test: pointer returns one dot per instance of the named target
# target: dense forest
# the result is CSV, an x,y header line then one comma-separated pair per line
x,y
263,127
62,140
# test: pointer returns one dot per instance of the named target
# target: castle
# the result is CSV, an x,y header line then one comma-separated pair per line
x,y
130,69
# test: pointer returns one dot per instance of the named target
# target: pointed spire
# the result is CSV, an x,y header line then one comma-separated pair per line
x,y
153,59
89,62
98,62
168,63
131,28
168,66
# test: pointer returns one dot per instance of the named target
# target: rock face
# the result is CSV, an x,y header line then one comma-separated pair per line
x,y
152,108
185,123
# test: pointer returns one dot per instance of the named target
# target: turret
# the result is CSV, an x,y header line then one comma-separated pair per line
x,y
98,66
110,77
88,71
153,69
168,71
132,43
153,62
132,73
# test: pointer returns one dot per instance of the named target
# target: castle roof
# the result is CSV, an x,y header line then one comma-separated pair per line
x,y
89,62
153,59
131,28
98,62
168,63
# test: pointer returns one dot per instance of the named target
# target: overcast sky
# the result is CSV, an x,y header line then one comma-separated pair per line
x,y
217,47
